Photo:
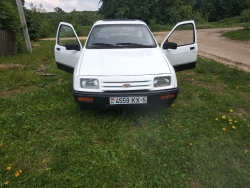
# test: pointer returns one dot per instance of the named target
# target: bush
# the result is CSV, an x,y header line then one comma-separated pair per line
x,y
9,19
245,17
199,18
159,27
21,47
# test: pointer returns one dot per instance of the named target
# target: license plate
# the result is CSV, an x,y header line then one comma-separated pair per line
x,y
128,100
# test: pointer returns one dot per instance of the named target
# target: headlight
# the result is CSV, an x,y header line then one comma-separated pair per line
x,y
162,81
89,83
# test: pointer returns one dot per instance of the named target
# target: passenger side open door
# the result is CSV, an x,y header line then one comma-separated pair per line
x,y
180,46
67,48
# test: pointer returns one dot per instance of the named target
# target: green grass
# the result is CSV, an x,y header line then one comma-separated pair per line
x,y
241,34
44,134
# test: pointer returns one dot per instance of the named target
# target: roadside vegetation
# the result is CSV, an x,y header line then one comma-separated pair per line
x,y
46,141
205,13
241,34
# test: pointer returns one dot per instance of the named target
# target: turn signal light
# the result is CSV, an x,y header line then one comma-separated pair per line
x,y
85,99
170,96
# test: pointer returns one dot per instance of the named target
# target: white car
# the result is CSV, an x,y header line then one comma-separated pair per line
x,y
121,64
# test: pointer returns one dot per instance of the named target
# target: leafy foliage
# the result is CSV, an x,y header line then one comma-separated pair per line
x,y
130,9
42,24
245,17
169,12
36,23
80,20
219,9
159,14
153,12
9,19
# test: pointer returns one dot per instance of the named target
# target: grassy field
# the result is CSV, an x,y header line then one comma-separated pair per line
x,y
241,34
46,141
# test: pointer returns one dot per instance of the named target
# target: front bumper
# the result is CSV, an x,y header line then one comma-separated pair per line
x,y
102,100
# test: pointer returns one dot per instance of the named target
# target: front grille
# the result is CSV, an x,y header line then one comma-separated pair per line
x,y
128,91
126,85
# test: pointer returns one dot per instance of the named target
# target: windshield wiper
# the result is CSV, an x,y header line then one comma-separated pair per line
x,y
102,44
129,44
120,45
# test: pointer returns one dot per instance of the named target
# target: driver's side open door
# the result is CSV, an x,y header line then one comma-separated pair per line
x,y
67,48
180,46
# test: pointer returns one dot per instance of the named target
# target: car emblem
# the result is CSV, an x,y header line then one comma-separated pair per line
x,y
126,85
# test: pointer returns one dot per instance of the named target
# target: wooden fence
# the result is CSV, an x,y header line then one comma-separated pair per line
x,y
7,43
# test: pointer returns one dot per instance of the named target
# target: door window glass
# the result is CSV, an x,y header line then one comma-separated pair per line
x,y
66,36
183,35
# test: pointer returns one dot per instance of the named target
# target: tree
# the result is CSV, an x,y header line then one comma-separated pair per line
x,y
36,22
131,9
169,11
219,9
150,11
9,19
59,11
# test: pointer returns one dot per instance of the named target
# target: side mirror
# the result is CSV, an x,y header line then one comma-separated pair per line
x,y
73,47
170,45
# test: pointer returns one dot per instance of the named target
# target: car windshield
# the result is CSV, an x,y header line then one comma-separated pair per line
x,y
120,36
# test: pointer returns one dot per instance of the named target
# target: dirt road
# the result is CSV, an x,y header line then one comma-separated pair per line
x,y
212,45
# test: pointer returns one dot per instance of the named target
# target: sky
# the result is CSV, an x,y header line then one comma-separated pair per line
x,y
65,5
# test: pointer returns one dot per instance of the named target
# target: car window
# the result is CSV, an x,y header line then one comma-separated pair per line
x,y
66,36
120,35
183,35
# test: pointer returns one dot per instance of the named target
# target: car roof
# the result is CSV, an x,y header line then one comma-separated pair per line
x,y
119,21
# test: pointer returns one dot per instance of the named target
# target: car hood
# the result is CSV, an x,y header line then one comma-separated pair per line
x,y
123,62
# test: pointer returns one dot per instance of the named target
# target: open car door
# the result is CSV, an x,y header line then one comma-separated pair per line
x,y
68,47
180,46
